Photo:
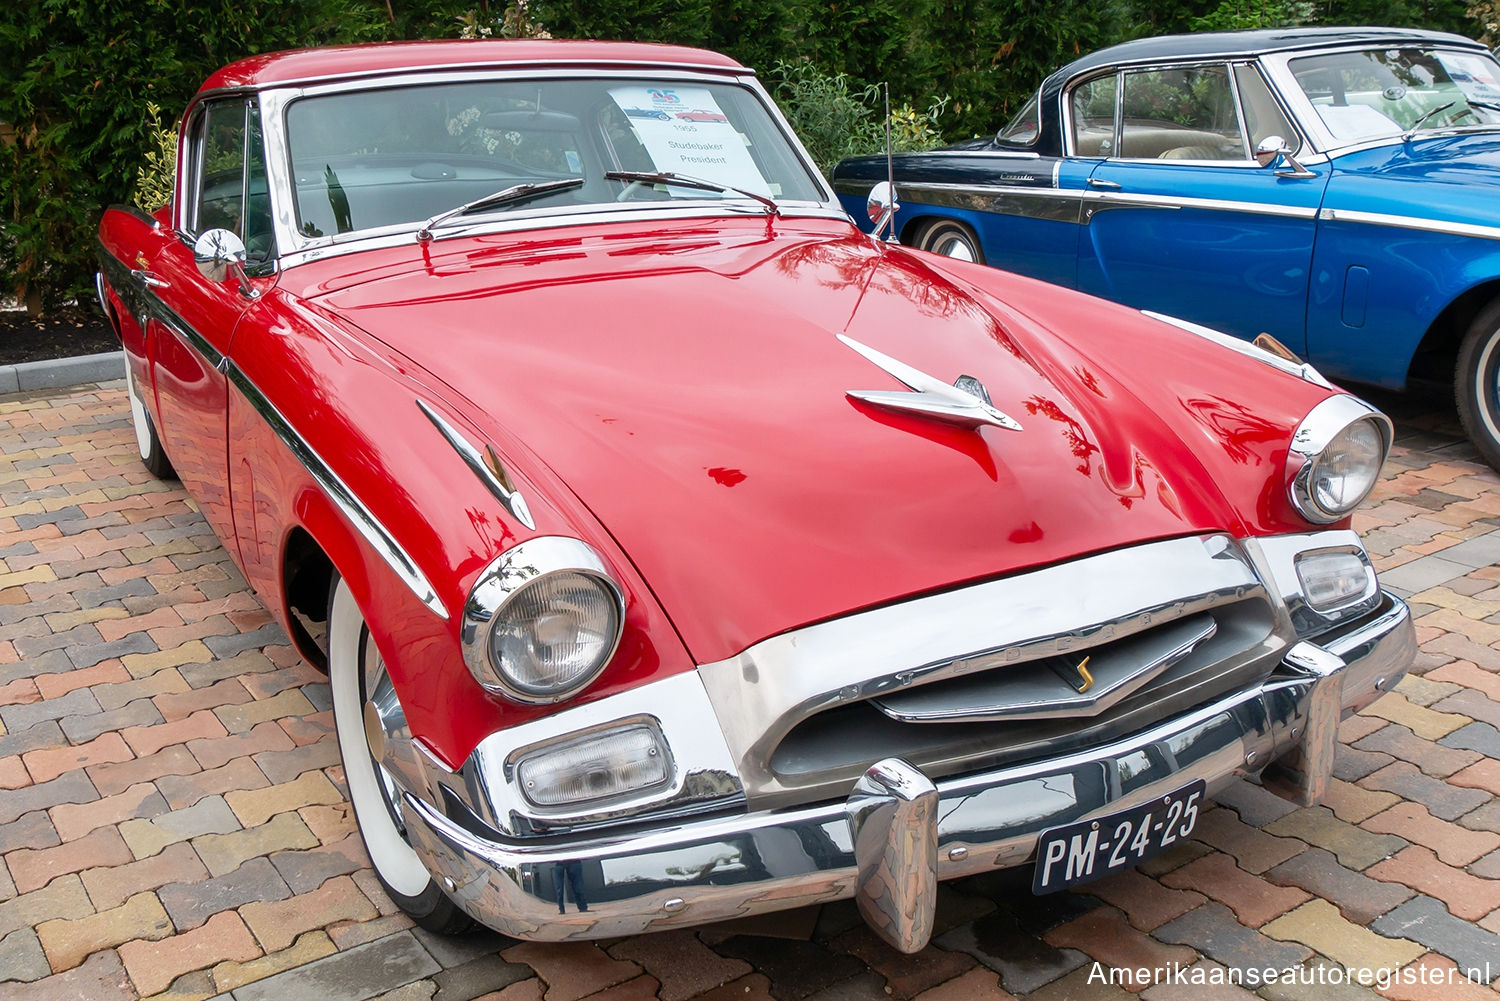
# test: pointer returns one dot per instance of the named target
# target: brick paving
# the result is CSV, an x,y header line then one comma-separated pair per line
x,y
173,821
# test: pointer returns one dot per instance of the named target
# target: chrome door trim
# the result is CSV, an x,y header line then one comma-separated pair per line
x,y
1097,201
1410,222
1053,203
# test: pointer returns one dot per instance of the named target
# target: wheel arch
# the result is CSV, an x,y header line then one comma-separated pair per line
x,y
315,551
1436,352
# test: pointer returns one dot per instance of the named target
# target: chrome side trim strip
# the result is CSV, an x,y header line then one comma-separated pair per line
x,y
357,514
1098,200
1411,222
494,479
1303,370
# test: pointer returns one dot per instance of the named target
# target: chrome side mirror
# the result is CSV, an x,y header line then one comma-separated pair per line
x,y
881,206
1274,148
220,255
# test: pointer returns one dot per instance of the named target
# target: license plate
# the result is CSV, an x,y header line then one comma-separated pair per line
x,y
1093,849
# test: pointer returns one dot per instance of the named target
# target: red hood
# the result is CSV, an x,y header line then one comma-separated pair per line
x,y
690,389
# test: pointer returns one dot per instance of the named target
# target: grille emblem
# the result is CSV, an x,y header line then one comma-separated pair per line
x,y
1076,675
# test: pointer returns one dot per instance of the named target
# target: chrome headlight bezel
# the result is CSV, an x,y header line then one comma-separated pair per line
x,y
510,575
1323,425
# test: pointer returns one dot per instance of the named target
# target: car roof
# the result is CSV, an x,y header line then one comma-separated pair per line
x,y
303,66
1222,44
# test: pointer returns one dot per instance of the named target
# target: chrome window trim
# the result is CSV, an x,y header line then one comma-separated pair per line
x,y
762,693
293,248
1410,222
503,580
1065,110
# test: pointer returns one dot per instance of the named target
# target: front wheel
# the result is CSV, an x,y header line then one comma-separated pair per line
x,y
359,682
1476,384
951,239
147,442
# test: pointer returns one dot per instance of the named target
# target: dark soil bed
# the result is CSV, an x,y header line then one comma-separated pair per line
x,y
61,333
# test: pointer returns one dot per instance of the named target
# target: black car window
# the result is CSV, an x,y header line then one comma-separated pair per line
x,y
228,195
1180,113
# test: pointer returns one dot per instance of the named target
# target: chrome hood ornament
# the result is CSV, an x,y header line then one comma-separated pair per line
x,y
966,404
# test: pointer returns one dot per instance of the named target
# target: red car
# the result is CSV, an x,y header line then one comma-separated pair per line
x,y
699,115
676,551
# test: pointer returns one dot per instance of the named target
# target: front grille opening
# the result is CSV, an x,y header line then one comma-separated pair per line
x,y
839,744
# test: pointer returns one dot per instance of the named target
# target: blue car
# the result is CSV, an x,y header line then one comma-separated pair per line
x,y
1337,188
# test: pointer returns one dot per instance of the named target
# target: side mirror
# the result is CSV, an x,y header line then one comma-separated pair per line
x,y
219,255
881,206
1274,148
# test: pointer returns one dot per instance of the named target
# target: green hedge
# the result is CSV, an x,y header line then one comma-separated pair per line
x,y
76,75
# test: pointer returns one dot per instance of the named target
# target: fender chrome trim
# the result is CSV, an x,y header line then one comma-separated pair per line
x,y
1410,222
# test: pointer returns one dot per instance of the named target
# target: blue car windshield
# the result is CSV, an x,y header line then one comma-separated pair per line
x,y
1387,92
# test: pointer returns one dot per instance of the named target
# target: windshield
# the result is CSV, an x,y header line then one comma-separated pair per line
x,y
1387,92
371,159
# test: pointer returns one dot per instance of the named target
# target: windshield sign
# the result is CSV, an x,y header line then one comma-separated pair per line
x,y
1387,92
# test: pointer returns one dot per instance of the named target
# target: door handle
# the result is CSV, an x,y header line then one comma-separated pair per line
x,y
148,279
1099,184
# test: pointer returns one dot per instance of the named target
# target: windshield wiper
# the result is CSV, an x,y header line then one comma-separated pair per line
x,y
1416,125
688,181
506,196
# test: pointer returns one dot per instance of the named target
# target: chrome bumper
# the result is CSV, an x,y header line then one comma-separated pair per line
x,y
899,832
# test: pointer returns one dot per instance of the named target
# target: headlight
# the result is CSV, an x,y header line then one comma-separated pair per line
x,y
1335,458
542,621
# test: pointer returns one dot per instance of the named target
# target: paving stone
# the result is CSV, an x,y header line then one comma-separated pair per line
x,y
179,705
1441,759
22,958
48,734
153,661
1428,691
212,669
185,790
229,646
110,779
211,752
190,904
311,946
1427,921
1106,937
1214,932
255,807
901,976
80,729
237,718
121,693
1319,924
140,801
1255,850
796,969
1024,962
111,886
67,943
52,686
208,816
1354,803
456,950
224,853
349,934
31,831
1481,551
154,965
101,976
1429,724
977,984
1455,845
354,975
1467,896
1254,805
479,976
1253,900
1441,798
283,766
1355,847
1319,979
35,868
277,923
70,787
22,717
48,763
1481,737
146,740
310,869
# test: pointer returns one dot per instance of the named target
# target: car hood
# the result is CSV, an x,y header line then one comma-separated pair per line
x,y
690,389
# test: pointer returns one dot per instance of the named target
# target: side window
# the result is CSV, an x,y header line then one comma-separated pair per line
x,y
221,168
1263,116
1092,105
1181,114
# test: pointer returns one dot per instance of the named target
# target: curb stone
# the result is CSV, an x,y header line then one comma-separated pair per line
x,y
59,373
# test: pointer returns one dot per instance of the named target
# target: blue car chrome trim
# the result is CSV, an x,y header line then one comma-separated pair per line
x,y
1410,222
1097,200
354,510
487,467
728,865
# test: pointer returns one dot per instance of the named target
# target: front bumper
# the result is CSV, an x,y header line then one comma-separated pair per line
x,y
898,833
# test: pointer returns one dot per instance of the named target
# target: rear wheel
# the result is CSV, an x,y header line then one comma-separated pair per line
x,y
357,676
951,239
147,443
1476,383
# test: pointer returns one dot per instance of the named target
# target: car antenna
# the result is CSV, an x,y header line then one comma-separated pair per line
x,y
890,166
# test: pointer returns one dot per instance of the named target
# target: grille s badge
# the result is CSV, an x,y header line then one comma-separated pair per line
x,y
1076,675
